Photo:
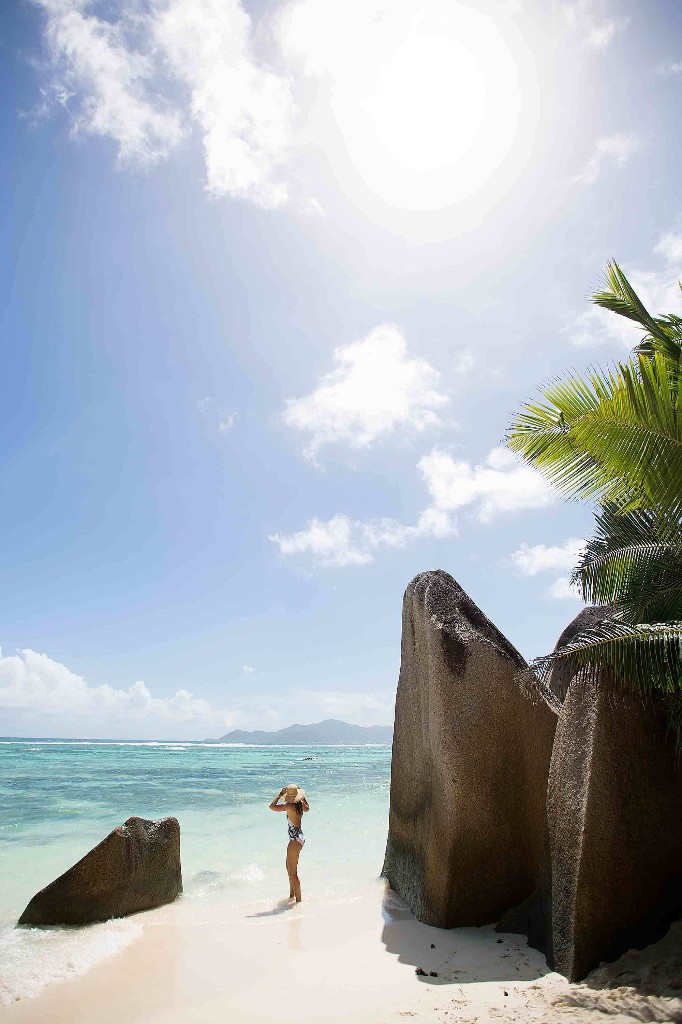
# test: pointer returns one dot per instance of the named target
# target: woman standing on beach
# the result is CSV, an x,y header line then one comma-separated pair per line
x,y
295,804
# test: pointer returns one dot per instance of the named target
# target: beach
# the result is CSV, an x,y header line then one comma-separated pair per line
x,y
354,959
351,959
231,948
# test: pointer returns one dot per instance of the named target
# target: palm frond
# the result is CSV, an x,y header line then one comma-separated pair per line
x,y
634,562
620,297
645,659
616,437
664,334
613,437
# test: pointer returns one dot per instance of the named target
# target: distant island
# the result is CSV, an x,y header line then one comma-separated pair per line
x,y
329,731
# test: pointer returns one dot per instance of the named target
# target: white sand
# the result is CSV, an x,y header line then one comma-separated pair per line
x,y
351,961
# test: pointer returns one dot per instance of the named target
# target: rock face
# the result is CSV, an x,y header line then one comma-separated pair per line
x,y
136,867
612,871
470,763
563,671
614,818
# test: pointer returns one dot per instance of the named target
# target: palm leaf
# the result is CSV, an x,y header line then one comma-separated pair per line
x,y
634,562
664,334
612,437
616,437
643,658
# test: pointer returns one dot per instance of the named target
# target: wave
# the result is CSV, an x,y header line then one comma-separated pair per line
x,y
32,958
161,744
34,744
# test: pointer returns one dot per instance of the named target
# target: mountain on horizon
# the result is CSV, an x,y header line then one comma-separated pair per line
x,y
329,731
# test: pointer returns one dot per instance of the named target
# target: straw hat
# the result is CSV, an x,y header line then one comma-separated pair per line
x,y
300,793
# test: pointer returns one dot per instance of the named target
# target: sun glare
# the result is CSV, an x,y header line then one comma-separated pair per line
x,y
437,114
428,104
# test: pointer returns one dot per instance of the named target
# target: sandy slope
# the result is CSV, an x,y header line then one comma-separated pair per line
x,y
202,960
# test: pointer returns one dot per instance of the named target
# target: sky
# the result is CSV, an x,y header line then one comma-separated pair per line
x,y
275,278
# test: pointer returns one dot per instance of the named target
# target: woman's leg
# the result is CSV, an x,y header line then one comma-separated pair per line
x,y
293,852
288,866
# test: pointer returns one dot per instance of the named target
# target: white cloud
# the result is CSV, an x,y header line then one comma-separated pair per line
x,y
222,419
313,207
597,326
111,73
670,247
670,68
104,82
375,390
34,683
227,421
498,486
337,542
40,696
595,32
658,290
341,541
529,561
600,34
248,669
244,110
615,149
501,484
561,590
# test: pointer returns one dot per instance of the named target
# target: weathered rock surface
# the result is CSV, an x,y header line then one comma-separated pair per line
x,y
612,871
587,618
614,818
470,763
136,867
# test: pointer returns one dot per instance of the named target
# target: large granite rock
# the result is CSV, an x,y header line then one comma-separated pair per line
x,y
614,817
612,872
136,867
470,763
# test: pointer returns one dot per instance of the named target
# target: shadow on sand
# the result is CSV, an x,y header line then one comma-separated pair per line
x,y
280,907
457,955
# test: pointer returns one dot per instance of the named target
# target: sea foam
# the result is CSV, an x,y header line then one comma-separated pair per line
x,y
31,958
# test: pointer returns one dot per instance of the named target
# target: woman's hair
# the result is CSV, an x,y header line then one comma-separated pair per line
x,y
300,805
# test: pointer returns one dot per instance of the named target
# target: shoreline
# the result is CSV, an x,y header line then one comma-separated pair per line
x,y
351,959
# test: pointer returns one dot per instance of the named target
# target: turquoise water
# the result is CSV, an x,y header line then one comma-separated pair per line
x,y
58,799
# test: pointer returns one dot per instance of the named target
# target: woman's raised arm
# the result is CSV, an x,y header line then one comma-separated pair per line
x,y
274,805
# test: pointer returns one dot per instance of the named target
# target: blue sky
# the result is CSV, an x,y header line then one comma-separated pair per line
x,y
275,277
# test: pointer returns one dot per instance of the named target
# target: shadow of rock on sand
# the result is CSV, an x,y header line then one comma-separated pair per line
x,y
457,955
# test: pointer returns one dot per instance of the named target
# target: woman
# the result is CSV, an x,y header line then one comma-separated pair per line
x,y
294,805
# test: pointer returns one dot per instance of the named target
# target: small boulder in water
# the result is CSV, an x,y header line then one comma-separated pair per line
x,y
136,867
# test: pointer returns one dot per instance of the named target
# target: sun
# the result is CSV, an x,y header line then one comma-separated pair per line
x,y
436,114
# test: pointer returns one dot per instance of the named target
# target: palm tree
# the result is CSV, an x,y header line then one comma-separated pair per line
x,y
616,437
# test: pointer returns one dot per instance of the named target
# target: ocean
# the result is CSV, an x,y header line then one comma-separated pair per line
x,y
59,798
